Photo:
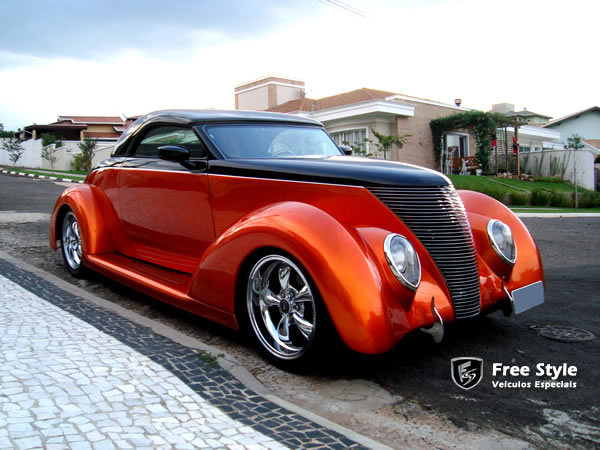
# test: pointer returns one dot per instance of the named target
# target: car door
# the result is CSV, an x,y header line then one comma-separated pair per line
x,y
165,205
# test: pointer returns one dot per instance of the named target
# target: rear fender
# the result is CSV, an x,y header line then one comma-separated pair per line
x,y
98,222
337,259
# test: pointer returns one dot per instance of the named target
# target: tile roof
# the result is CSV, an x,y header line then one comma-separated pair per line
x,y
333,101
347,98
593,142
92,119
55,126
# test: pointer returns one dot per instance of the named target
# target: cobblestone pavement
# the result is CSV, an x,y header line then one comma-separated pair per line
x,y
75,375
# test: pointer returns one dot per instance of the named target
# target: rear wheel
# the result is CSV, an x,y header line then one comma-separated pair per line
x,y
71,245
284,311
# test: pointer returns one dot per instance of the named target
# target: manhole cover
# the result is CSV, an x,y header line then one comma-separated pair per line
x,y
563,333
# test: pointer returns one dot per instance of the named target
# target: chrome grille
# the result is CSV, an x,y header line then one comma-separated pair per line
x,y
437,216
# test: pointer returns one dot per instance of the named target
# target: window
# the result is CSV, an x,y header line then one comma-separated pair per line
x,y
350,137
524,149
183,137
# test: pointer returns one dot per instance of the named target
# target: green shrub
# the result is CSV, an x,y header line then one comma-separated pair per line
x,y
561,200
48,139
589,200
540,198
519,198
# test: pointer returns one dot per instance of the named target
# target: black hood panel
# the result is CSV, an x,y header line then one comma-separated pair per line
x,y
344,170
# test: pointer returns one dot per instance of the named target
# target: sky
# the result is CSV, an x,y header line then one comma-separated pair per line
x,y
130,57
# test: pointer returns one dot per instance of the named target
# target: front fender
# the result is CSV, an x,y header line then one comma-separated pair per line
x,y
337,259
98,222
528,267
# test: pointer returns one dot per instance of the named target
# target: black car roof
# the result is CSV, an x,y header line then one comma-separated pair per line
x,y
197,116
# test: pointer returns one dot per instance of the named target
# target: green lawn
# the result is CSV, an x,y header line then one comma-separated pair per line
x,y
542,192
558,186
75,175
475,183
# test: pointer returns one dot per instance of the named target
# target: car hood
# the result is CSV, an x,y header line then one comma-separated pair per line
x,y
345,170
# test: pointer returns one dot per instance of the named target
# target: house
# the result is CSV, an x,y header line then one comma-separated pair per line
x,y
350,117
584,123
525,117
77,128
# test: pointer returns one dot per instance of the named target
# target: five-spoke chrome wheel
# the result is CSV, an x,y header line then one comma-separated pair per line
x,y
281,307
71,243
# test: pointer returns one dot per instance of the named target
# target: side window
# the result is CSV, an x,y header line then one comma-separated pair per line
x,y
184,137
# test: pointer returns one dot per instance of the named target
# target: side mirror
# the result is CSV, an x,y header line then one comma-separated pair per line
x,y
173,153
346,149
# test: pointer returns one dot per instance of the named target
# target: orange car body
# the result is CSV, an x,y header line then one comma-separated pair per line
x,y
184,236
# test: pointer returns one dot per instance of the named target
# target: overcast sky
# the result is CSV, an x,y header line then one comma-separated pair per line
x,y
129,57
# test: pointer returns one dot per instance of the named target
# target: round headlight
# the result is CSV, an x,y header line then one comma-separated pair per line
x,y
403,260
502,241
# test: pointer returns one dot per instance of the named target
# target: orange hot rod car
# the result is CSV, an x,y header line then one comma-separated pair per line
x,y
259,221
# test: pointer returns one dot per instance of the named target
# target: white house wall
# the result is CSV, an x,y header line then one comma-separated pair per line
x,y
255,99
587,126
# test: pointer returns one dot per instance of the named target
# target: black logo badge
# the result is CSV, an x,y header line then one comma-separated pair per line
x,y
467,372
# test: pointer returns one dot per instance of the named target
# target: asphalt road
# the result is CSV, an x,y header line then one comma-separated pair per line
x,y
417,369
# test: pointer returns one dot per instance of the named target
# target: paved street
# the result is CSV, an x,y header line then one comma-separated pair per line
x,y
420,405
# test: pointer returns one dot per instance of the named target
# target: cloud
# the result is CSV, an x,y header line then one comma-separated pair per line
x,y
101,29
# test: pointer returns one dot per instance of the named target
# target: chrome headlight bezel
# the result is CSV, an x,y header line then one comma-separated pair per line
x,y
498,246
409,280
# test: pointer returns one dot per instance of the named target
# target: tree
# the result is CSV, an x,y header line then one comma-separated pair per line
x,y
574,143
359,148
385,143
83,161
6,134
14,148
49,154
483,126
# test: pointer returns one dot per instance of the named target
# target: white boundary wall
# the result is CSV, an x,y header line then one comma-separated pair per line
x,y
32,157
585,165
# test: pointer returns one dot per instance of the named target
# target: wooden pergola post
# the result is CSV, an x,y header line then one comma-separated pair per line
x,y
518,151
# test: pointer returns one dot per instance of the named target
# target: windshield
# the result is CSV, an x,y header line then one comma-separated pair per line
x,y
271,141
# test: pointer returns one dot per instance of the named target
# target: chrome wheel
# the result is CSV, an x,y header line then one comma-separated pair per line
x,y
281,307
71,241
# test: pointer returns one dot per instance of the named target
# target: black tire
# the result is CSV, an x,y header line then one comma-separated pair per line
x,y
281,309
71,245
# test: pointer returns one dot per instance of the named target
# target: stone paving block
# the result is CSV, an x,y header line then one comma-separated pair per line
x,y
92,364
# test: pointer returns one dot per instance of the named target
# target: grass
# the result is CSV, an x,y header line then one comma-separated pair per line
x,y
544,192
475,183
77,175
554,186
43,171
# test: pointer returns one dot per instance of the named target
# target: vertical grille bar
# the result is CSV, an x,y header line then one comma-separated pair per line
x,y
437,216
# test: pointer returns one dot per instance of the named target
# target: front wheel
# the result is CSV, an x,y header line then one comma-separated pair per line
x,y
71,245
284,310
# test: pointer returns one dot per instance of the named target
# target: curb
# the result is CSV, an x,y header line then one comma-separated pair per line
x,y
226,361
40,177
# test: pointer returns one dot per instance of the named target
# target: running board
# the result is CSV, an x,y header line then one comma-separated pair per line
x,y
167,285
